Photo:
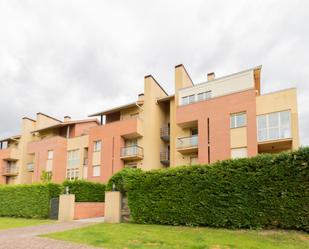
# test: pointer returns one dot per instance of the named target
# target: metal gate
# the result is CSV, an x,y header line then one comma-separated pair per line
x,y
54,208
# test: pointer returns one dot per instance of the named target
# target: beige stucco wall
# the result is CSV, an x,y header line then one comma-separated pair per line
x,y
43,121
176,158
126,113
112,212
182,79
227,85
25,177
238,137
281,101
79,143
66,207
153,118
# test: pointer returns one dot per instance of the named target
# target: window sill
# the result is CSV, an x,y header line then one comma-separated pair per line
x,y
238,127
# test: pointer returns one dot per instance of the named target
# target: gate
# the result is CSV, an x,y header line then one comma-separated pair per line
x,y
125,210
54,208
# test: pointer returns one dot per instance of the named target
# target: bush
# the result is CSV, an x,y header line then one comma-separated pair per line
x,y
267,191
28,201
86,191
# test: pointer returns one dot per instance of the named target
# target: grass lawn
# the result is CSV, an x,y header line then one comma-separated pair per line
x,y
6,223
127,236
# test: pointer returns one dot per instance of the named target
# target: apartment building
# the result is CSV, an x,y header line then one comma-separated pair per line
x,y
220,118
46,144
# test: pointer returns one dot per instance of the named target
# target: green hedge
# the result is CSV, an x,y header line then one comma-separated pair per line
x,y
86,191
266,191
29,201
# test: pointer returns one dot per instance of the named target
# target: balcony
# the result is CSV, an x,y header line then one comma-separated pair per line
x,y
9,154
165,157
30,167
130,153
187,145
10,170
165,132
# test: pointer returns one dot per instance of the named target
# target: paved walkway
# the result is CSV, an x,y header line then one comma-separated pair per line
x,y
26,237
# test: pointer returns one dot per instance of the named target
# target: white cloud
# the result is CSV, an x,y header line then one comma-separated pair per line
x,y
78,57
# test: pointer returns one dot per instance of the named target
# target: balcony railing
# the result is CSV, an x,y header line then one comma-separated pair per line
x,y
10,170
165,132
132,152
165,157
187,142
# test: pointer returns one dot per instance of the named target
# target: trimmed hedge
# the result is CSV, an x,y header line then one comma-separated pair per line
x,y
86,191
267,191
28,201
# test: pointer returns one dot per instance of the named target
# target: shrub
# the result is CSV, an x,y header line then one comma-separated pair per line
x,y
28,201
86,191
261,192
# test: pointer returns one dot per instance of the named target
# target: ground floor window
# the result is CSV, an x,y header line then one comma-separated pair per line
x,y
239,152
96,170
72,173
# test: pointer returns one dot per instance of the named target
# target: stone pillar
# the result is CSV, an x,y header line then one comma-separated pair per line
x,y
66,207
112,212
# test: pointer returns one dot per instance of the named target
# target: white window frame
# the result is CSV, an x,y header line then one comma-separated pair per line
x,y
243,149
97,146
203,96
279,127
234,122
73,158
72,174
188,99
50,155
98,172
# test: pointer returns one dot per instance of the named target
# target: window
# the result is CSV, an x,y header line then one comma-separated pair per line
x,y
188,100
49,162
50,155
274,126
239,153
131,165
72,174
193,160
134,115
204,96
96,170
97,146
73,159
4,145
130,142
238,120
194,131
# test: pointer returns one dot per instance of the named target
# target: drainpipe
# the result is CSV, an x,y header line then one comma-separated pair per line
x,y
68,131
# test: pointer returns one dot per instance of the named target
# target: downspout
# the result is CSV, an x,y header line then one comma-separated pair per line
x,y
68,131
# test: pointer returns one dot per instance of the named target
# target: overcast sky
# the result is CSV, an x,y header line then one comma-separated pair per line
x,y
79,57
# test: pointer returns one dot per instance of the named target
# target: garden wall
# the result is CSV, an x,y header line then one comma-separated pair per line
x,y
85,210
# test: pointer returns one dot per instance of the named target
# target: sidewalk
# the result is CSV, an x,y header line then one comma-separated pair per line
x,y
25,237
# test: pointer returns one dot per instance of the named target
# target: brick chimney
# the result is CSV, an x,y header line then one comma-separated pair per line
x,y
67,118
211,76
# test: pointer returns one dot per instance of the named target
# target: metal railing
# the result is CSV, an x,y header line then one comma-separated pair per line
x,y
133,150
165,131
164,156
10,170
186,142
